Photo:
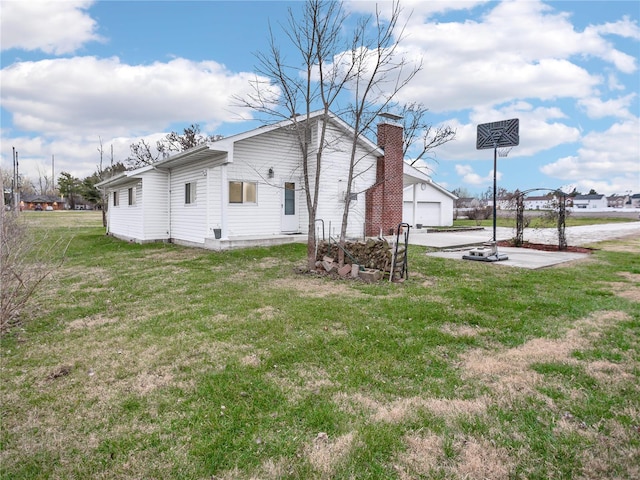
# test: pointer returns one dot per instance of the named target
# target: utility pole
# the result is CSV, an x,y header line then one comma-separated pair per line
x,y
17,183
15,191
13,179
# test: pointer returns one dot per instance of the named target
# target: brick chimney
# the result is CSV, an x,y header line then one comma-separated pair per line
x,y
384,199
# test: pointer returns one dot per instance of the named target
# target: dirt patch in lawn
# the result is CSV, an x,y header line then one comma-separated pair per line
x,y
326,453
628,244
404,409
298,384
462,330
93,321
469,457
306,286
629,289
267,312
625,290
508,372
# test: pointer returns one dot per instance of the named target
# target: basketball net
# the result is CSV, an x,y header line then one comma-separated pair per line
x,y
504,151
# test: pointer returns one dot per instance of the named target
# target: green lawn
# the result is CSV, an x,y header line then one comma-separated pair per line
x,y
157,361
541,221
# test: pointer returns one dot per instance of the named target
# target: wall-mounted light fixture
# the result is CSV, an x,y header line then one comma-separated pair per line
x,y
204,173
271,172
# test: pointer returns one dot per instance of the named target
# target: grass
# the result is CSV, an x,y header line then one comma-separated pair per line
x,y
542,220
157,361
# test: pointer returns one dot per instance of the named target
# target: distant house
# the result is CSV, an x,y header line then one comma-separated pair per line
x,y
635,200
248,189
539,202
41,202
582,202
618,201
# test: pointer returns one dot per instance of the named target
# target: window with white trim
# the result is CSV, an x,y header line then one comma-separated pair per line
x,y
190,193
131,196
116,199
242,192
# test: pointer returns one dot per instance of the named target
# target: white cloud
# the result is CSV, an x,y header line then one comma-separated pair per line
x,y
540,129
413,11
55,27
617,108
610,158
519,50
471,178
87,95
613,82
77,155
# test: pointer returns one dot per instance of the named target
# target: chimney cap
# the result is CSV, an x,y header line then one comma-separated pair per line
x,y
391,116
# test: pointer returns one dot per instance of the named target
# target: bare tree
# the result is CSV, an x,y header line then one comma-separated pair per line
x,y
418,132
24,264
143,153
379,72
191,137
295,89
329,61
45,185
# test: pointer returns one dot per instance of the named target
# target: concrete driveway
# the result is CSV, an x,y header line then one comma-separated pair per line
x,y
456,244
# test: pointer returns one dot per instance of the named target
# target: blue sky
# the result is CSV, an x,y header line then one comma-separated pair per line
x,y
75,72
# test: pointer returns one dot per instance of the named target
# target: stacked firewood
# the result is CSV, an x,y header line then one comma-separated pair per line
x,y
373,254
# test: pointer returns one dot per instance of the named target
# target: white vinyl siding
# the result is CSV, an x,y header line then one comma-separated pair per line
x,y
264,164
125,220
188,220
335,170
153,197
277,150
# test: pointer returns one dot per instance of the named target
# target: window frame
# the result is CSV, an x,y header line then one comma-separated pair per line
x,y
131,196
116,198
243,192
190,189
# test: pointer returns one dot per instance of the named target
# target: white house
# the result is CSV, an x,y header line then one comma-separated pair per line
x,y
424,201
249,189
539,202
581,202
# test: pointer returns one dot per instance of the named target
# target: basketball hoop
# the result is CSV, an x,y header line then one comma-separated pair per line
x,y
504,151
501,136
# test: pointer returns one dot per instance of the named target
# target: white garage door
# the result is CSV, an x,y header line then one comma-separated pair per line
x,y
427,214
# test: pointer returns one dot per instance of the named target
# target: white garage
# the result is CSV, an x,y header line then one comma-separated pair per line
x,y
425,202
422,213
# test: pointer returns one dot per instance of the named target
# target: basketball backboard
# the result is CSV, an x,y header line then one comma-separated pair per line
x,y
504,133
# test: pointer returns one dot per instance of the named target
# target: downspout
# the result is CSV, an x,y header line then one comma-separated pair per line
x,y
415,205
105,208
169,204
224,196
208,228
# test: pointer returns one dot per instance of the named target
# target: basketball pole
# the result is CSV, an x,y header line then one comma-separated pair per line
x,y
495,165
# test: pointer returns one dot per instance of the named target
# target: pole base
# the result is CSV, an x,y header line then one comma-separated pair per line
x,y
491,258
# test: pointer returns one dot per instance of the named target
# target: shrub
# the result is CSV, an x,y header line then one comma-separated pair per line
x,y
479,214
25,262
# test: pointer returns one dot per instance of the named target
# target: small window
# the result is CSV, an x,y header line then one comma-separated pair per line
x,y
131,195
242,192
189,193
116,200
